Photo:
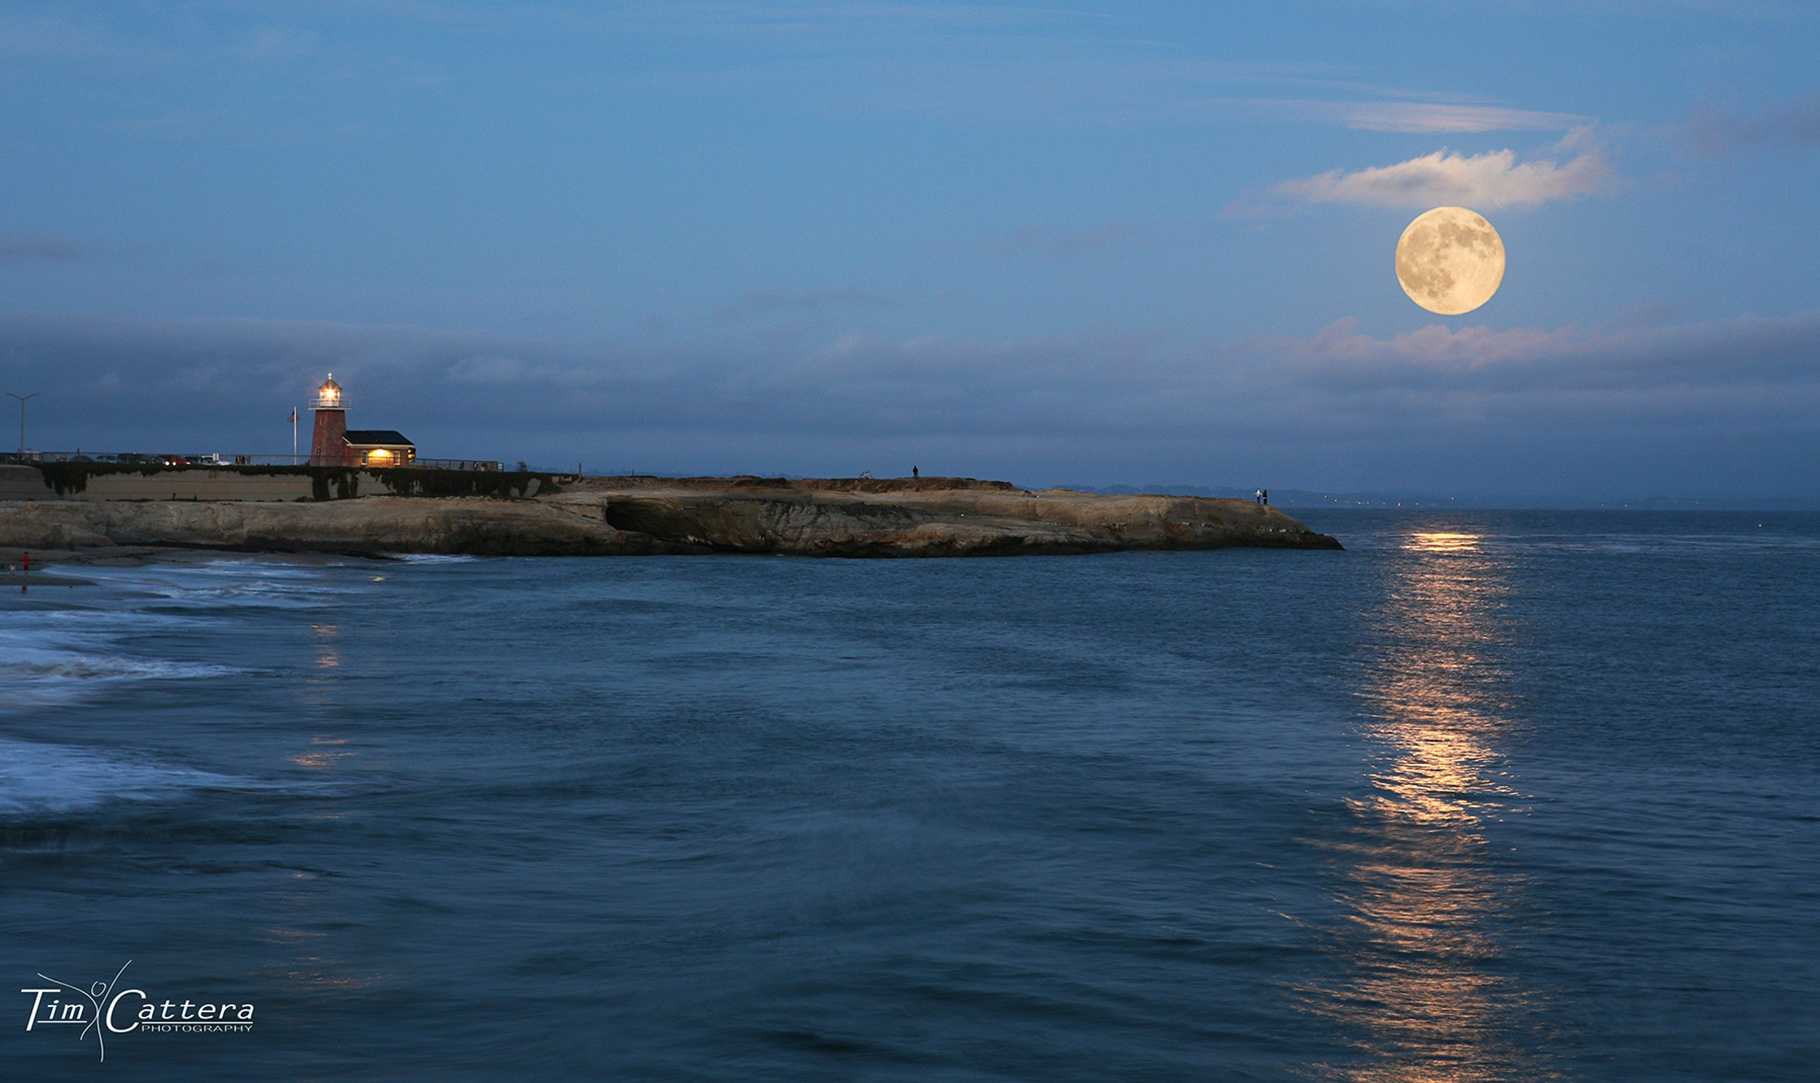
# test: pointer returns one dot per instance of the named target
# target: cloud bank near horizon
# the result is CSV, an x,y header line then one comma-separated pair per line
x,y
1690,409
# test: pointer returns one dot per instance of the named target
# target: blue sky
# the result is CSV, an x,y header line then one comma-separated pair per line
x,y
1145,242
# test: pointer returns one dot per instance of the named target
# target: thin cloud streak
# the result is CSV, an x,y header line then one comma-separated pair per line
x,y
760,306
1062,243
38,248
1420,117
1793,125
278,43
48,37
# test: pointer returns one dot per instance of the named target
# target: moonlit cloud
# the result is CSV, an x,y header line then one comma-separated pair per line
x,y
1489,180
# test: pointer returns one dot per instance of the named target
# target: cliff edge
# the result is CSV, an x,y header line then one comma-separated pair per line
x,y
843,517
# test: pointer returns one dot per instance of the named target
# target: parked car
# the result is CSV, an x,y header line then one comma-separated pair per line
x,y
175,460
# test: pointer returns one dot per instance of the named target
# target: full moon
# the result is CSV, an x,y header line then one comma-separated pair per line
x,y
1450,261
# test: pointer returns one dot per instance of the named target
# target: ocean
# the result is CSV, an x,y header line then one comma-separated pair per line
x,y
1487,796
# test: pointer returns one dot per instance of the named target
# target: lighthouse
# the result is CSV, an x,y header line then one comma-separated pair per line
x,y
334,444
328,447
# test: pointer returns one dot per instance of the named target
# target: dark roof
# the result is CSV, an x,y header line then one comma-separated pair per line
x,y
376,436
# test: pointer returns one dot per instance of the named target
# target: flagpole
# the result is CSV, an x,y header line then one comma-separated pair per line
x,y
293,436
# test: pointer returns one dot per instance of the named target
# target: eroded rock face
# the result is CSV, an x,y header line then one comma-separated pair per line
x,y
980,518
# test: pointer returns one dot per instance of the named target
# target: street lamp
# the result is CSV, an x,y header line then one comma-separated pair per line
x,y
22,399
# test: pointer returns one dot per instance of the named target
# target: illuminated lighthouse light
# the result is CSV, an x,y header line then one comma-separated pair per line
x,y
328,396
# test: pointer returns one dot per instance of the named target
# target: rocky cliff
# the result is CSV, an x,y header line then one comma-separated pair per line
x,y
829,517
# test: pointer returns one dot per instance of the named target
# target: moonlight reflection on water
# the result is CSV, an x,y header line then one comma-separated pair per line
x,y
1422,988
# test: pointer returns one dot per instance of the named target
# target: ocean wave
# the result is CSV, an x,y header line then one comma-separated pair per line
x,y
114,611
251,595
40,662
53,655
39,779
231,584
227,566
88,625
432,558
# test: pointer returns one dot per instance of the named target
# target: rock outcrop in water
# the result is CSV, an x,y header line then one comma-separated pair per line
x,y
845,517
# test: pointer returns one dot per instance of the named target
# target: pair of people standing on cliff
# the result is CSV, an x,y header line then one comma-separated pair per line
x,y
1262,496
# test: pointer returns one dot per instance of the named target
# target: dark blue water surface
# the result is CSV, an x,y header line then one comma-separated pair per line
x,y
1488,796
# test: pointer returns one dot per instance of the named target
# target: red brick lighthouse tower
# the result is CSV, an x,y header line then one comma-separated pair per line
x,y
327,448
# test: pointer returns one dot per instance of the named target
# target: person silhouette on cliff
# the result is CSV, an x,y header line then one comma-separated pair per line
x,y
915,473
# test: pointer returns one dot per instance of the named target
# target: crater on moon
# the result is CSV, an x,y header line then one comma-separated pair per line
x,y
1450,260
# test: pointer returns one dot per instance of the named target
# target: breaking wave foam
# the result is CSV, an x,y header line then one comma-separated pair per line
x,y
44,779
433,558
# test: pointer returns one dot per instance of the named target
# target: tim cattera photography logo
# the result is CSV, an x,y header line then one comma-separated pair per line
x,y
104,1009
